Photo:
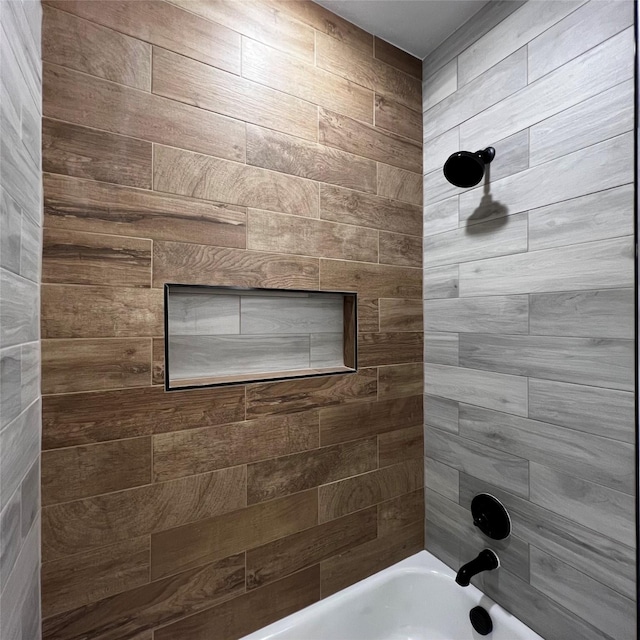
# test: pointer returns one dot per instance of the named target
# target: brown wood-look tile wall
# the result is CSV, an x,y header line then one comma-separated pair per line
x,y
265,143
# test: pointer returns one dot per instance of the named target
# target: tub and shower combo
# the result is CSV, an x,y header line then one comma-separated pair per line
x,y
419,598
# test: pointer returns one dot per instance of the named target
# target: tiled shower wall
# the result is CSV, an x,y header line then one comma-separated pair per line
x,y
265,144
20,250
529,308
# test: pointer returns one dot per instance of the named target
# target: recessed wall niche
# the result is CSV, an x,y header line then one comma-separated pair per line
x,y
227,335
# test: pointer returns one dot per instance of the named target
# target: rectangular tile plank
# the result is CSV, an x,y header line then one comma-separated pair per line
x,y
285,397
69,311
203,86
600,508
441,282
596,362
396,118
295,77
286,154
268,231
248,612
595,265
604,412
397,513
204,541
375,349
195,451
608,313
85,46
207,178
352,494
441,478
483,388
400,249
258,21
397,58
400,380
596,216
357,66
607,462
441,413
95,364
130,112
369,558
83,418
285,556
283,315
441,348
167,26
89,470
356,137
399,184
400,315
492,465
73,582
493,314
362,209
88,153
84,205
282,476
148,606
595,71
70,528
604,116
74,257
503,236
581,30
199,264
349,422
490,88
322,19
202,357
398,446
370,280
515,31
584,596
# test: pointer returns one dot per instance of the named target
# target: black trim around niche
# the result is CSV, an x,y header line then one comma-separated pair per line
x,y
237,289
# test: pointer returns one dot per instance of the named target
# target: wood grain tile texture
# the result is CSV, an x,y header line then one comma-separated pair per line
x,y
266,143
529,310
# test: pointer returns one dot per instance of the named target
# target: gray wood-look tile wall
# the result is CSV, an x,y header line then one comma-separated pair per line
x,y
20,257
529,308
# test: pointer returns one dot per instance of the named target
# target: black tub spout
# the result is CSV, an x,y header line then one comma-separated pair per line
x,y
487,560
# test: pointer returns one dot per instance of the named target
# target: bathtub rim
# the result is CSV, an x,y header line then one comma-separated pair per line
x,y
422,562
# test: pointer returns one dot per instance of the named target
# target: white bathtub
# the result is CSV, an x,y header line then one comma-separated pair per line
x,y
416,599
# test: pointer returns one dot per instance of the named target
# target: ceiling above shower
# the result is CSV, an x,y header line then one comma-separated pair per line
x,y
417,26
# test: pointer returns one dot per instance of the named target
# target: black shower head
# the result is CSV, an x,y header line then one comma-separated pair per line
x,y
465,169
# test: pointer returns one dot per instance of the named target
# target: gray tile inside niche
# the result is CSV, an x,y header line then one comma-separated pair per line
x,y
327,350
202,312
283,315
209,356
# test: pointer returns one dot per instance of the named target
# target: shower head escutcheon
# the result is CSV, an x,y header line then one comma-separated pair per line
x,y
466,169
